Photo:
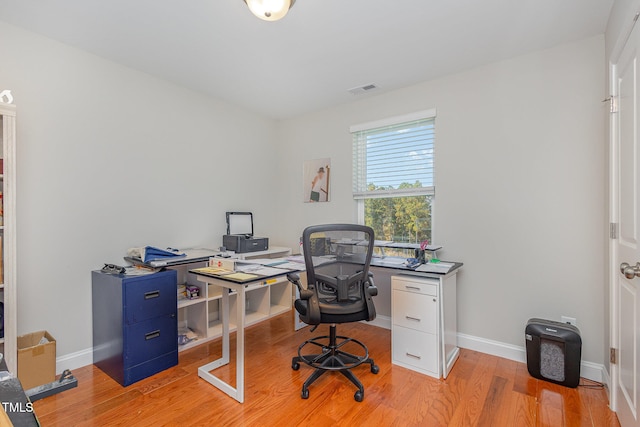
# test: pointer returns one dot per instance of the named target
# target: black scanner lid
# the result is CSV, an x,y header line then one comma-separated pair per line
x,y
240,223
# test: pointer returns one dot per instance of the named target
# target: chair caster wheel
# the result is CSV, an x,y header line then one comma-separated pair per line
x,y
359,396
305,394
375,369
295,366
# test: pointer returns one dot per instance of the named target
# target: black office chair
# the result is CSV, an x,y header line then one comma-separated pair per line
x,y
339,290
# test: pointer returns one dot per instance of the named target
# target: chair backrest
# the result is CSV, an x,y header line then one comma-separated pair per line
x,y
337,259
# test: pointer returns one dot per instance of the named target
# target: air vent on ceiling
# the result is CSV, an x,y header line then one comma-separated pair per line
x,y
362,89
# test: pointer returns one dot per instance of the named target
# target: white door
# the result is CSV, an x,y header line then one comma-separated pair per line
x,y
625,204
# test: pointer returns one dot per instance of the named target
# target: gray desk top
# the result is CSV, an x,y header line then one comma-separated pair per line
x,y
396,264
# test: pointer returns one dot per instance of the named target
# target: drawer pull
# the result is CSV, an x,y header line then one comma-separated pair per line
x,y
417,319
413,288
414,356
152,294
152,335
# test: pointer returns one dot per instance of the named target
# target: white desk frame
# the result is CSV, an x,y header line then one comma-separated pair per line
x,y
204,371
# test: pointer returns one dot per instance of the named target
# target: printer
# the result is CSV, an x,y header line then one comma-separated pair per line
x,y
239,237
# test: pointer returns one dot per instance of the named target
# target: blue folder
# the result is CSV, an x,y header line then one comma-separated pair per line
x,y
152,253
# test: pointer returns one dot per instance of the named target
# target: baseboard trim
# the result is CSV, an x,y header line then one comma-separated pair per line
x,y
381,322
589,370
75,360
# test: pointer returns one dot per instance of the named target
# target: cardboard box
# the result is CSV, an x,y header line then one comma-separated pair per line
x,y
36,362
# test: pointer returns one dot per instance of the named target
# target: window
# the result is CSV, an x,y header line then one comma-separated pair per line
x,y
393,176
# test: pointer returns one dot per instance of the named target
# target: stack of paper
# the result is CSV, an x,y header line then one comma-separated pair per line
x,y
435,267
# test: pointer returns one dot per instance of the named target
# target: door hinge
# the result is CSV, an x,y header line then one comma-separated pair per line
x,y
613,353
613,103
613,230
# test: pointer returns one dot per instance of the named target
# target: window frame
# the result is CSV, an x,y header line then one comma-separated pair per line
x,y
422,191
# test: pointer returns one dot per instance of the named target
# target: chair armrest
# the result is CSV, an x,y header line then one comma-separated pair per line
x,y
371,288
295,279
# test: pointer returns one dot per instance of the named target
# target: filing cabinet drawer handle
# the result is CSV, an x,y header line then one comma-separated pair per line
x,y
413,288
152,335
152,294
414,356
417,319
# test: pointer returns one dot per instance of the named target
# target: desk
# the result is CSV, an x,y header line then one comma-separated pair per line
x,y
240,287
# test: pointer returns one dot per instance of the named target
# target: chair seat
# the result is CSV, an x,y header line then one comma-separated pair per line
x,y
330,314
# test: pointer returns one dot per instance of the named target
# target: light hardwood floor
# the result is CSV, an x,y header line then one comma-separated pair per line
x,y
481,390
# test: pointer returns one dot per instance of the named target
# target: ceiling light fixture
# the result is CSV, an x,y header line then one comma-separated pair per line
x,y
270,10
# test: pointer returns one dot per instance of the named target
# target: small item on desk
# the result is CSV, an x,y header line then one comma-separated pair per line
x,y
186,335
182,292
413,262
182,340
113,269
193,292
226,264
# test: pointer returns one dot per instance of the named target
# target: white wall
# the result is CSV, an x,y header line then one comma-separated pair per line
x,y
110,158
520,179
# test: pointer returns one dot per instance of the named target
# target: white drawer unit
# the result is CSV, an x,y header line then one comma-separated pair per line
x,y
423,329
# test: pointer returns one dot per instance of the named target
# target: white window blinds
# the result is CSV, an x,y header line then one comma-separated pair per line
x,y
394,157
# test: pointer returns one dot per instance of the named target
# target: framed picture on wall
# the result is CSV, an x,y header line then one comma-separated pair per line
x,y
315,180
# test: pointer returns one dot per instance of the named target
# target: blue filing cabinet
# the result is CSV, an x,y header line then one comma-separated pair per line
x,y
135,324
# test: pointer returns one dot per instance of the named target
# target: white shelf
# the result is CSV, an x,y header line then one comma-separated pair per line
x,y
187,302
190,344
279,309
252,317
215,324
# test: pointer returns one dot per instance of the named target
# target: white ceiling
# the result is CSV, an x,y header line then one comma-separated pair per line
x,y
322,48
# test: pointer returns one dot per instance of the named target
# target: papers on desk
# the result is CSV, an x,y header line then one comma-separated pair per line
x,y
217,271
139,271
241,276
388,261
292,266
261,270
435,267
137,256
227,274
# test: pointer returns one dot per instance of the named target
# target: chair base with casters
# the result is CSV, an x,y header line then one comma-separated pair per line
x,y
332,357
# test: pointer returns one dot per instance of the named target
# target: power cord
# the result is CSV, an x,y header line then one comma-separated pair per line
x,y
592,384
